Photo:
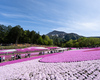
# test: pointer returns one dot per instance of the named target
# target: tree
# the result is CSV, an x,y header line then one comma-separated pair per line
x,y
50,42
69,43
26,36
40,40
32,36
15,34
76,44
1,34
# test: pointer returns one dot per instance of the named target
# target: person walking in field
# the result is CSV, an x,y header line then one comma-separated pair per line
x,y
0,59
25,55
16,56
3,58
12,57
28,54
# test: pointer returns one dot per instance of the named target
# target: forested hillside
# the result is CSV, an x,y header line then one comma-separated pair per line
x,y
64,39
60,37
63,35
9,34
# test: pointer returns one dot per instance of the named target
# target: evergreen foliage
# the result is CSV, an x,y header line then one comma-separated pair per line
x,y
18,35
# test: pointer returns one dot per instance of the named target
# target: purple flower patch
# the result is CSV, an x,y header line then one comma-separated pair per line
x,y
71,56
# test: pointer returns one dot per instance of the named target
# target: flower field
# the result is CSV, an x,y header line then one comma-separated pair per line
x,y
23,50
57,66
35,70
9,52
72,56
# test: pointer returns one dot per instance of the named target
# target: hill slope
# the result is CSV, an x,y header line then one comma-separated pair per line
x,y
63,35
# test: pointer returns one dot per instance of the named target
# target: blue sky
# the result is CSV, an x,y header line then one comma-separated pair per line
x,y
71,16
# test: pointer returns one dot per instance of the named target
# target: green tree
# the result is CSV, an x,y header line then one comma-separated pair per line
x,y
1,34
47,40
32,36
76,44
40,40
26,36
69,43
15,34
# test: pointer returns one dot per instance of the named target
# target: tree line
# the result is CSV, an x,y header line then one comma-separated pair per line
x,y
16,34
81,42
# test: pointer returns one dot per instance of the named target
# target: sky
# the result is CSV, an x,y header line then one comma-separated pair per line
x,y
71,16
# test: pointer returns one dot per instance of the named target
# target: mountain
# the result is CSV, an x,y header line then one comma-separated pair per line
x,y
63,35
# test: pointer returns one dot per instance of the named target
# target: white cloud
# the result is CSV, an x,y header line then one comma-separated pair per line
x,y
82,28
90,26
18,16
11,15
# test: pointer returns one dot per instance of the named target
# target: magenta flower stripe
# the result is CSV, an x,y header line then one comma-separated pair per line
x,y
71,56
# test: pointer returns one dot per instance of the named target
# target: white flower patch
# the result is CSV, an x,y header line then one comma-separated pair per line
x,y
35,70
10,50
40,48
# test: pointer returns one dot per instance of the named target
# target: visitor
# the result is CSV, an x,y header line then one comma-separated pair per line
x,y
25,55
3,58
43,52
48,52
40,53
51,51
0,59
16,56
7,53
19,56
12,57
28,54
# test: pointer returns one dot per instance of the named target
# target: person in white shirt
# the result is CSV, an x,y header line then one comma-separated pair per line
x,y
3,58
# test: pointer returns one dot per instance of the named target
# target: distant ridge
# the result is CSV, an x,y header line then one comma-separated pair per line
x,y
56,32
63,35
